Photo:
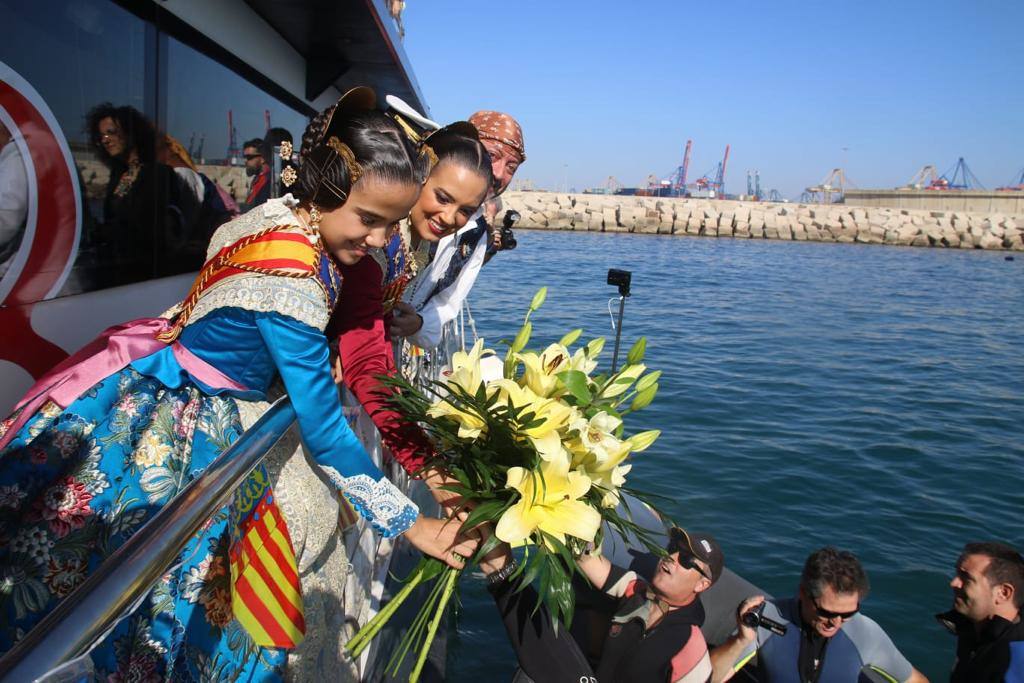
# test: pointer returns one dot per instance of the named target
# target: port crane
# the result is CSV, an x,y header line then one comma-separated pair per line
x,y
961,178
834,184
233,151
927,179
1017,186
717,183
754,185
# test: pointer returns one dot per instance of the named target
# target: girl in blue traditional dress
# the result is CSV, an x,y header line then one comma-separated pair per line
x,y
114,433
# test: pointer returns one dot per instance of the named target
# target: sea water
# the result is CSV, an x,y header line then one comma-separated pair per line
x,y
866,397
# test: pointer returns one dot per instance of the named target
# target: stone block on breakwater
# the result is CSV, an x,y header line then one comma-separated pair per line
x,y
764,220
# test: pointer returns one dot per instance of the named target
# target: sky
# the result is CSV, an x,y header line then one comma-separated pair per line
x,y
608,88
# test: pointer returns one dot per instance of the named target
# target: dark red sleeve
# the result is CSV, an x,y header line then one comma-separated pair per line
x,y
366,353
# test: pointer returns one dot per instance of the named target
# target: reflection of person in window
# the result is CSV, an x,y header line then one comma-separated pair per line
x,y
208,203
258,171
142,219
13,198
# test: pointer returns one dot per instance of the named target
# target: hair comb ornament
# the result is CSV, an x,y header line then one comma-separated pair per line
x,y
345,152
289,175
286,150
427,151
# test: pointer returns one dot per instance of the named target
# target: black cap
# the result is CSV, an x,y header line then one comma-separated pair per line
x,y
700,545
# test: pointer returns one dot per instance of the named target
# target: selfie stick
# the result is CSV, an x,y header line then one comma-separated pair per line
x,y
620,279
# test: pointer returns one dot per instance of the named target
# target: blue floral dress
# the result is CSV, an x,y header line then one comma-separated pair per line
x,y
77,482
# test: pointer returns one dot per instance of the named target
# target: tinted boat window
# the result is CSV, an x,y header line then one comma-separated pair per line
x,y
76,55
156,177
203,98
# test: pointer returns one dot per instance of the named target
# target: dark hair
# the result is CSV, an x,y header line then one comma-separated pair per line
x,y
255,142
459,148
378,144
1005,565
139,134
839,569
274,138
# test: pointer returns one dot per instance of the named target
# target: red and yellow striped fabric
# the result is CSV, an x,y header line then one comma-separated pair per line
x,y
288,252
266,597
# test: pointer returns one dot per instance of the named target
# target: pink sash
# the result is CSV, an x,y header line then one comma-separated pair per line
x,y
111,352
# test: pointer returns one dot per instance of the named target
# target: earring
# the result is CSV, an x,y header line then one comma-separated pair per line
x,y
314,217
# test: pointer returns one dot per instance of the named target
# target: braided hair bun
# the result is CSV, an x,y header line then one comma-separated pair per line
x,y
379,147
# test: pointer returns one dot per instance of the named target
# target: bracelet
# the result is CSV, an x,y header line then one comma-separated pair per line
x,y
502,574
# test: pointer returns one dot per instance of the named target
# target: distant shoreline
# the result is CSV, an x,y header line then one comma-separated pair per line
x,y
839,223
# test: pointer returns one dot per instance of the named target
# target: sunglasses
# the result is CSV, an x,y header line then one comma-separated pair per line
x,y
680,543
250,157
829,614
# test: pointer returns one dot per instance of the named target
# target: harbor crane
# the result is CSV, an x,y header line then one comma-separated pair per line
x,y
612,184
834,184
1016,186
927,179
717,183
961,178
233,151
754,185
678,178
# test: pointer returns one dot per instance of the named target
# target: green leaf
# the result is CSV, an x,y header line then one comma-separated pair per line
x,y
636,353
522,338
644,398
538,298
577,384
594,347
648,379
570,338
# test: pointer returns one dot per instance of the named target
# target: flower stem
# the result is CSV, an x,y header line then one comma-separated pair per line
x,y
449,588
365,635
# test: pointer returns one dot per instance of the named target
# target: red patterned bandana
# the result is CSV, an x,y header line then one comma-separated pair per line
x,y
493,125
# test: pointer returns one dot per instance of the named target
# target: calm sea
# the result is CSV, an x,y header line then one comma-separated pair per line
x,y
866,397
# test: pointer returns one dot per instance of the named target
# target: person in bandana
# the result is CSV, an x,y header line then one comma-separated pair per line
x,y
445,284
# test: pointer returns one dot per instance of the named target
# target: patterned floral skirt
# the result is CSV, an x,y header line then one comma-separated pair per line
x,y
76,483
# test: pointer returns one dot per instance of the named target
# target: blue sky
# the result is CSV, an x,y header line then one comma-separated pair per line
x,y
616,88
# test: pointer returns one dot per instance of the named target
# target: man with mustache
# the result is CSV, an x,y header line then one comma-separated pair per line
x,y
988,591
827,638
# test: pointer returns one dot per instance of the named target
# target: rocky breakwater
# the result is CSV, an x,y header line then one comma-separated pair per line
x,y
765,220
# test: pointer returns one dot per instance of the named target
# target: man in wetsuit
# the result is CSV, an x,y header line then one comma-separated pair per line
x,y
988,592
655,635
827,639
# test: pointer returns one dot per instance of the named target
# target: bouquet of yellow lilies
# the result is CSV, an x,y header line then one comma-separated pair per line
x,y
539,452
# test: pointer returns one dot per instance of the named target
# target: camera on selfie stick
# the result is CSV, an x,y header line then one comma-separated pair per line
x,y
508,239
621,279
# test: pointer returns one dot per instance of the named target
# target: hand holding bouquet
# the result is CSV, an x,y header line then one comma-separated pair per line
x,y
539,452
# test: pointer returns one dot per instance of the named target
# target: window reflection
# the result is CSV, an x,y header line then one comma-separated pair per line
x,y
155,185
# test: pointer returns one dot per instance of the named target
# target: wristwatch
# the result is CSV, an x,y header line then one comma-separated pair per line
x,y
502,574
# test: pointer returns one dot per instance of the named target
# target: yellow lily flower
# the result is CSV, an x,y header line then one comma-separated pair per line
x,y
465,374
554,413
549,501
596,434
607,474
540,370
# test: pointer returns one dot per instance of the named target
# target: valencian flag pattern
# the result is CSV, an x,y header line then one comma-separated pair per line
x,y
266,598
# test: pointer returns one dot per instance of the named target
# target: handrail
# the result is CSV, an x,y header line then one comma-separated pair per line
x,y
85,616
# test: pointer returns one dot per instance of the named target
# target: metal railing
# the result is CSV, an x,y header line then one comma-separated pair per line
x,y
87,615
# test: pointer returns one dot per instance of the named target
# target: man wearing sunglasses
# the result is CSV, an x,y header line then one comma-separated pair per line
x,y
258,171
827,639
654,635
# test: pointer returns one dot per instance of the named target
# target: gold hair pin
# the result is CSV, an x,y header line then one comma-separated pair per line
x,y
345,152
286,150
430,154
